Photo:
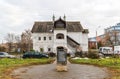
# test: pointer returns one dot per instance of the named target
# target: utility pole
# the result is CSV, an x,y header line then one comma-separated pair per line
x,y
115,36
96,41
96,37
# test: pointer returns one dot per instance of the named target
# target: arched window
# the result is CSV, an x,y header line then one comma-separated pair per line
x,y
60,36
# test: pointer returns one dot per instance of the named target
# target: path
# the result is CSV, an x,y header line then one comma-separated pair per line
x,y
75,71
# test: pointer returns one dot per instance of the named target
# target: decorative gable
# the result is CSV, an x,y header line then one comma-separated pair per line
x,y
60,23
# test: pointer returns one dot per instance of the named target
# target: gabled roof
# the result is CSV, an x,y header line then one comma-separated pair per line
x,y
48,26
42,27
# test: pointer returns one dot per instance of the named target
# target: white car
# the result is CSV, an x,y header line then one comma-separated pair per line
x,y
6,55
106,50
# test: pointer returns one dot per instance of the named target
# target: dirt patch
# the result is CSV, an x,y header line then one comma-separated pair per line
x,y
115,73
75,71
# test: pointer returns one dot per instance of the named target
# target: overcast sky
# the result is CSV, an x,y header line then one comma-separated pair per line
x,y
18,15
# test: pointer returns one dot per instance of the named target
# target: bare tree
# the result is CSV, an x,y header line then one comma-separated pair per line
x,y
17,39
13,41
111,38
108,40
2,48
10,38
26,40
18,42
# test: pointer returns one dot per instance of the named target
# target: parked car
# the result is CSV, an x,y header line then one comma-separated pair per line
x,y
106,51
6,55
35,55
117,50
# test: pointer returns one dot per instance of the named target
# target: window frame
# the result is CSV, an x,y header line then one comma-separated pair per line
x,y
44,38
50,38
39,38
60,36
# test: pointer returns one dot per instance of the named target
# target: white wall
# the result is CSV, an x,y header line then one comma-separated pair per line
x,y
85,42
60,42
54,43
81,38
45,44
77,36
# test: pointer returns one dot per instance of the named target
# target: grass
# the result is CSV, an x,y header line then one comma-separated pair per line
x,y
7,65
108,62
113,64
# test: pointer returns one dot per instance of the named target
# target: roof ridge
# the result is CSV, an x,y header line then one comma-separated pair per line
x,y
42,21
44,26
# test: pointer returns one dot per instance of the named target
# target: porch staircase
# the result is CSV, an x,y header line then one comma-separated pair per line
x,y
72,44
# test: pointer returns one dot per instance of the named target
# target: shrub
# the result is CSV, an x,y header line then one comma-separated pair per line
x,y
93,54
79,54
68,54
32,50
115,56
2,48
51,54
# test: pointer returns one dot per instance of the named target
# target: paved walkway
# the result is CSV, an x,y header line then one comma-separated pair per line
x,y
75,71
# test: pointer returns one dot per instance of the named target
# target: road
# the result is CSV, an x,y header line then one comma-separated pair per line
x,y
75,71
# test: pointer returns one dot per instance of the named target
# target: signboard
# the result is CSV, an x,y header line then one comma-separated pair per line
x,y
61,57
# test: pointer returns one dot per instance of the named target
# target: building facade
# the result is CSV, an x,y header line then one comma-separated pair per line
x,y
49,36
113,33
92,43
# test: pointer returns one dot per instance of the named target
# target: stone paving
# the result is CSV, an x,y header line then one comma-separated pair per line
x,y
75,71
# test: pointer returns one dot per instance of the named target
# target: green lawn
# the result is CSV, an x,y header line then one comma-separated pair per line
x,y
112,63
108,62
7,65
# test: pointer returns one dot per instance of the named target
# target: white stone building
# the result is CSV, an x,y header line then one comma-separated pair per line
x,y
49,36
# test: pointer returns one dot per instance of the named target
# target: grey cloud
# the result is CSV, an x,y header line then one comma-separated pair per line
x,y
17,15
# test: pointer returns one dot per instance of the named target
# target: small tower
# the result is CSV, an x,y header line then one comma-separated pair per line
x,y
60,23
64,17
53,17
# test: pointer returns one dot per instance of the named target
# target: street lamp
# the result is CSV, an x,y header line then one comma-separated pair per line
x,y
96,37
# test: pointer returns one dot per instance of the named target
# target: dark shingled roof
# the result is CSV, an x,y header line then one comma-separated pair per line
x,y
48,27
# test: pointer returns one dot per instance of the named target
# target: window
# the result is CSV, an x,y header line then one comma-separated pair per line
x,y
50,38
39,38
60,36
49,49
1,54
44,38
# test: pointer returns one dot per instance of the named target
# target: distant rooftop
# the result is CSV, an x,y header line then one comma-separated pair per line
x,y
115,27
